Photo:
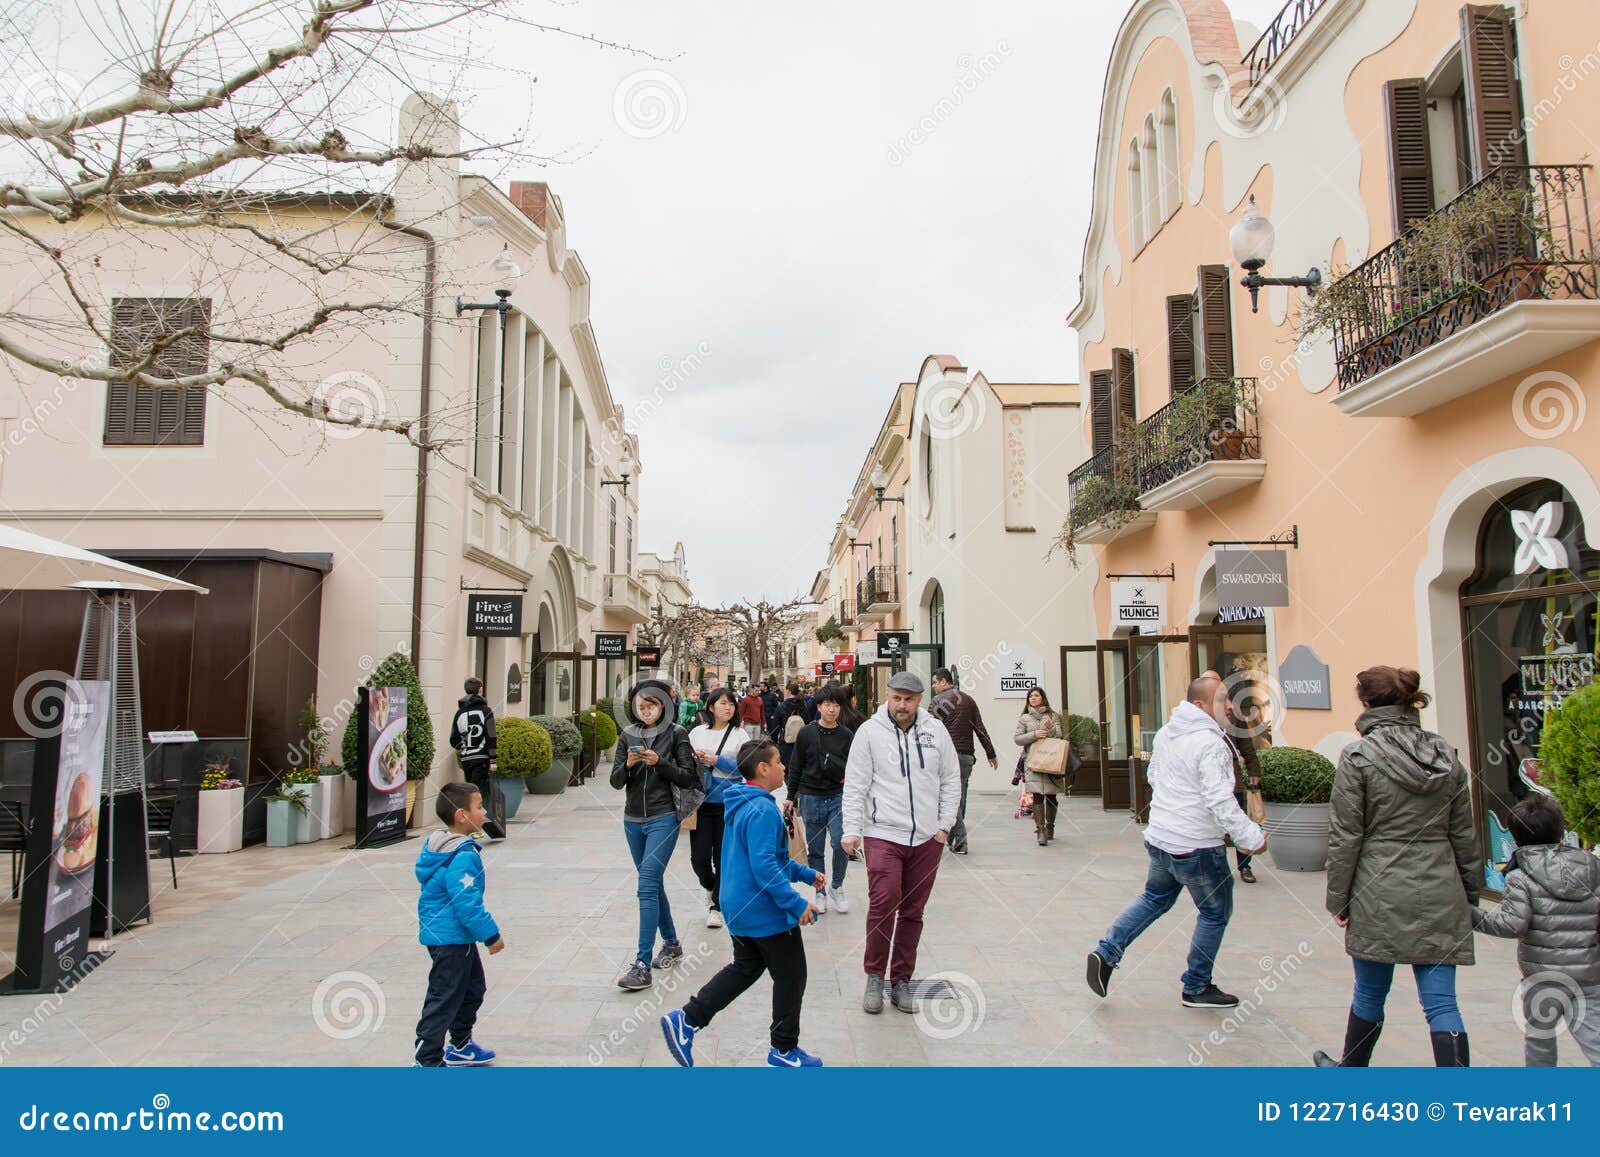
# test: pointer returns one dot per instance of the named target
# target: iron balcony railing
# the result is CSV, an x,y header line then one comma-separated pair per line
x,y
1270,45
847,612
1213,422
1407,297
877,587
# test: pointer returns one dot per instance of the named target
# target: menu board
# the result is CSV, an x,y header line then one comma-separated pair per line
x,y
381,788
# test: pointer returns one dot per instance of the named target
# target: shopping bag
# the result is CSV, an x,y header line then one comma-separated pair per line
x,y
1254,808
797,837
691,823
1048,756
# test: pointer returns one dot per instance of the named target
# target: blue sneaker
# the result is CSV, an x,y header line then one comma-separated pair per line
x,y
470,1054
675,1027
795,1058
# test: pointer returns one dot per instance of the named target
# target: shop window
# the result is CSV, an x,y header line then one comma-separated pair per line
x,y
1529,615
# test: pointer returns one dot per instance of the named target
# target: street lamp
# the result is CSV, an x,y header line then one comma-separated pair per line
x,y
850,531
629,468
880,482
1251,240
506,274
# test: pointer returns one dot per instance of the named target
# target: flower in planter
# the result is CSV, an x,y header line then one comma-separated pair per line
x,y
218,777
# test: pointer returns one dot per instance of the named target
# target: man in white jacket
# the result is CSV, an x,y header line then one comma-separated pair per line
x,y
902,793
1192,807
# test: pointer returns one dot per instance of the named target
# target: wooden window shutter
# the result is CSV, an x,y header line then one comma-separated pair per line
x,y
1215,354
1405,106
1180,342
145,415
1494,104
1099,410
1125,405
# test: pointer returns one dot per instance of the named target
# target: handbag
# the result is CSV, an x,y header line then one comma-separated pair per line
x,y
1254,807
1048,756
797,836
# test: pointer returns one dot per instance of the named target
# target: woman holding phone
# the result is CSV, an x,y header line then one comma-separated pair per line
x,y
653,756
716,748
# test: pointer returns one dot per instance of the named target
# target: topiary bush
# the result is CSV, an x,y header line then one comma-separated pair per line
x,y
523,748
1083,735
597,730
396,671
1295,775
1570,765
565,738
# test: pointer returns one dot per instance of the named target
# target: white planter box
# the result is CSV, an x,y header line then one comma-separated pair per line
x,y
322,804
305,822
334,785
221,823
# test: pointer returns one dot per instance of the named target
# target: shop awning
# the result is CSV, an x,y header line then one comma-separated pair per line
x,y
31,562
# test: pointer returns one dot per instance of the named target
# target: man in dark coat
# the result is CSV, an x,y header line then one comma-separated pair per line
x,y
472,735
959,713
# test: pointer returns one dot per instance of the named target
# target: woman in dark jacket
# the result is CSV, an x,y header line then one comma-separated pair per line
x,y
653,756
1403,867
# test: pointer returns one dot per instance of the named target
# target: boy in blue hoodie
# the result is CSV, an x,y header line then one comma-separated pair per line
x,y
451,920
763,912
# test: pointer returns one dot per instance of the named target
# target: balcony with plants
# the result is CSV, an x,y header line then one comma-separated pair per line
x,y
1499,280
877,595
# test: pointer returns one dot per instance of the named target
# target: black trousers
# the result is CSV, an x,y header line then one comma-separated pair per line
x,y
494,800
455,993
705,850
784,956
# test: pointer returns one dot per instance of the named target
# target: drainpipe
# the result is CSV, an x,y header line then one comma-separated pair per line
x,y
425,390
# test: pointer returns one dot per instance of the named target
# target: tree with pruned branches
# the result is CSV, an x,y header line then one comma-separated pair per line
x,y
763,630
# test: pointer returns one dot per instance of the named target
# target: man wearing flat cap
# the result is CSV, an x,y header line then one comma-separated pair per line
x,y
902,794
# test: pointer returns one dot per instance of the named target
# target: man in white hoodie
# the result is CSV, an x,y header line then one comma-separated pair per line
x,y
1192,807
902,793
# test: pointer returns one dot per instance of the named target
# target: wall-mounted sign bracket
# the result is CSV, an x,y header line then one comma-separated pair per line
x,y
1170,573
1290,537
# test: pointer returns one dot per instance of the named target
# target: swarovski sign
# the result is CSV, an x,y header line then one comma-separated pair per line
x,y
1252,578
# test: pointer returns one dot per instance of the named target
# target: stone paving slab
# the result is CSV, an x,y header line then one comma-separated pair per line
x,y
308,956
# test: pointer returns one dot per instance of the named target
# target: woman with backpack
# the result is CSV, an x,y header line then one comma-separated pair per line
x,y
792,716
716,748
653,765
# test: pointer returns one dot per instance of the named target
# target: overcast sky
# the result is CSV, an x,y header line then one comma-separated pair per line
x,y
757,203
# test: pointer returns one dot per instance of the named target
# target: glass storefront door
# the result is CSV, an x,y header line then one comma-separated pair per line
x,y
1080,705
1112,712
1158,679
1531,640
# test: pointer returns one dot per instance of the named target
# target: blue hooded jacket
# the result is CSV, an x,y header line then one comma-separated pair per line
x,y
450,908
756,894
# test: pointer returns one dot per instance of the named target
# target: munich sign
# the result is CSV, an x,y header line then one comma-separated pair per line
x,y
1142,604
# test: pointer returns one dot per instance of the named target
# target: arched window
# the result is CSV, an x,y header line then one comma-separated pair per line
x,y
1171,181
1150,166
1136,218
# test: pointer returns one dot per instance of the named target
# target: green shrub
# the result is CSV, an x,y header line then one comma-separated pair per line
x,y
597,729
1295,775
522,749
1571,767
396,671
1083,734
565,738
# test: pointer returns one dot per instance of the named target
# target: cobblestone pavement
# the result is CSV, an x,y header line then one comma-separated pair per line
x,y
308,956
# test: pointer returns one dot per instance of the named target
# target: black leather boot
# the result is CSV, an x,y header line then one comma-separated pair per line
x,y
1360,1037
1041,820
1450,1050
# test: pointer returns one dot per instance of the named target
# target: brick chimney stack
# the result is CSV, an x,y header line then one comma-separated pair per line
x,y
532,197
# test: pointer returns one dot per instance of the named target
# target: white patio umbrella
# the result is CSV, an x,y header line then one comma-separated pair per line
x,y
31,562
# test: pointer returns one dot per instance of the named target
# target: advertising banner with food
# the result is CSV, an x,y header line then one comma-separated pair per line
x,y
381,789
53,930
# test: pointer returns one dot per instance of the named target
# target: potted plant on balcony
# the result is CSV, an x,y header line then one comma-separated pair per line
x,y
397,671
566,742
307,829
524,752
599,734
284,805
1105,502
1296,786
1568,767
220,825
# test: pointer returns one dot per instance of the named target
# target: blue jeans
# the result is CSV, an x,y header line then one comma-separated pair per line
x,y
823,816
1205,873
1436,988
651,844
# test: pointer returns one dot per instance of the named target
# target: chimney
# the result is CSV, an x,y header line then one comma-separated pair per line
x,y
531,197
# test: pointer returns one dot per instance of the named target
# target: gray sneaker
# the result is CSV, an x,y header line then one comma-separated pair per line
x,y
900,996
873,1000
637,977
669,955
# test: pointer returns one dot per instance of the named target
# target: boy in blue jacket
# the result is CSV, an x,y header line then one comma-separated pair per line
x,y
451,920
763,912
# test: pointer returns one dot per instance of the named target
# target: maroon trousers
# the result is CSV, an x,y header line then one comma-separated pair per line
x,y
899,882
